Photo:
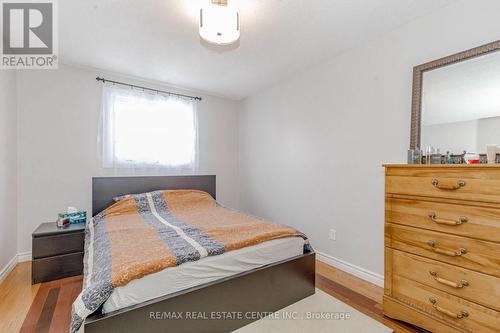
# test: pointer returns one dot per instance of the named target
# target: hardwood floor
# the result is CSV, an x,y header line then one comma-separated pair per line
x,y
50,311
16,296
43,307
46,307
361,295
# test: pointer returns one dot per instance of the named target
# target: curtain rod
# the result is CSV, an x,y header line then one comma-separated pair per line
x,y
146,88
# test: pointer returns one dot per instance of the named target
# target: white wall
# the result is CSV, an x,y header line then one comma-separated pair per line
x,y
488,133
8,170
58,114
312,147
454,137
469,135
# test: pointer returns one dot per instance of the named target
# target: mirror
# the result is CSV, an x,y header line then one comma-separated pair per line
x,y
456,102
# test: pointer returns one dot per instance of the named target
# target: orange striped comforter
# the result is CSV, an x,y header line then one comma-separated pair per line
x,y
145,233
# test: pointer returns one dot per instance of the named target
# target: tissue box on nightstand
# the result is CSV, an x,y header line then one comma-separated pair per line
x,y
76,217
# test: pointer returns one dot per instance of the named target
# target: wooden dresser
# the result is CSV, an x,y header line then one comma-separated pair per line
x,y
442,247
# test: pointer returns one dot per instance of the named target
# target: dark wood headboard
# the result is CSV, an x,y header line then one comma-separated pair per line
x,y
104,189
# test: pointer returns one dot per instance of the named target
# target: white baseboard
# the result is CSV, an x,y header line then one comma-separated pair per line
x,y
24,256
357,271
20,257
8,268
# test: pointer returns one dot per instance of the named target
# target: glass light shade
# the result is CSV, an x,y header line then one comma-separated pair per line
x,y
219,24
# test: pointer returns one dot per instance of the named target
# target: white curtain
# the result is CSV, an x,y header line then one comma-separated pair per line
x,y
147,132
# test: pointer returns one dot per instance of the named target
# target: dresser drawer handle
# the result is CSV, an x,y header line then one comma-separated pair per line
x,y
436,249
452,187
435,219
461,284
460,315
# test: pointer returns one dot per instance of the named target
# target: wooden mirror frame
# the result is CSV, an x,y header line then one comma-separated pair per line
x,y
418,73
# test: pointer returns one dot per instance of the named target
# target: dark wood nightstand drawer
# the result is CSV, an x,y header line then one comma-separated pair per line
x,y
57,244
58,267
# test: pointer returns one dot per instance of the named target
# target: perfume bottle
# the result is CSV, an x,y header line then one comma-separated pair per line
x,y
450,159
429,151
414,156
436,157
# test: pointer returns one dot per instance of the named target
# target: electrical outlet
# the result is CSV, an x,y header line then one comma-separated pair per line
x,y
333,234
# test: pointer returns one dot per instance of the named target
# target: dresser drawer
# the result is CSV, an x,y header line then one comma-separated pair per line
x,y
475,184
476,287
470,221
465,252
58,267
461,313
57,244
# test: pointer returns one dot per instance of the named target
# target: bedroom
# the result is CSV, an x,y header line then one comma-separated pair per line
x,y
291,121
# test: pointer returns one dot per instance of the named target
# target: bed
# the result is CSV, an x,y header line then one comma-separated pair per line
x,y
217,293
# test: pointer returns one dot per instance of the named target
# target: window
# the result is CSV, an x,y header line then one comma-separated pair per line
x,y
142,129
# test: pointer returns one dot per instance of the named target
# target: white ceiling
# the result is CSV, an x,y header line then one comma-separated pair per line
x,y
467,90
158,39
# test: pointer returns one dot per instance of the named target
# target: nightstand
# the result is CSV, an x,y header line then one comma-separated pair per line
x,y
57,252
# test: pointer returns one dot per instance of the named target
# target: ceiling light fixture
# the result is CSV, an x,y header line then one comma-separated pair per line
x,y
219,22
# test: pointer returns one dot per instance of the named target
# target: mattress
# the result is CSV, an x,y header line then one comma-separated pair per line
x,y
208,269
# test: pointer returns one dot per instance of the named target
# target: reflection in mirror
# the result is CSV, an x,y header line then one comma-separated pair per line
x,y
461,105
